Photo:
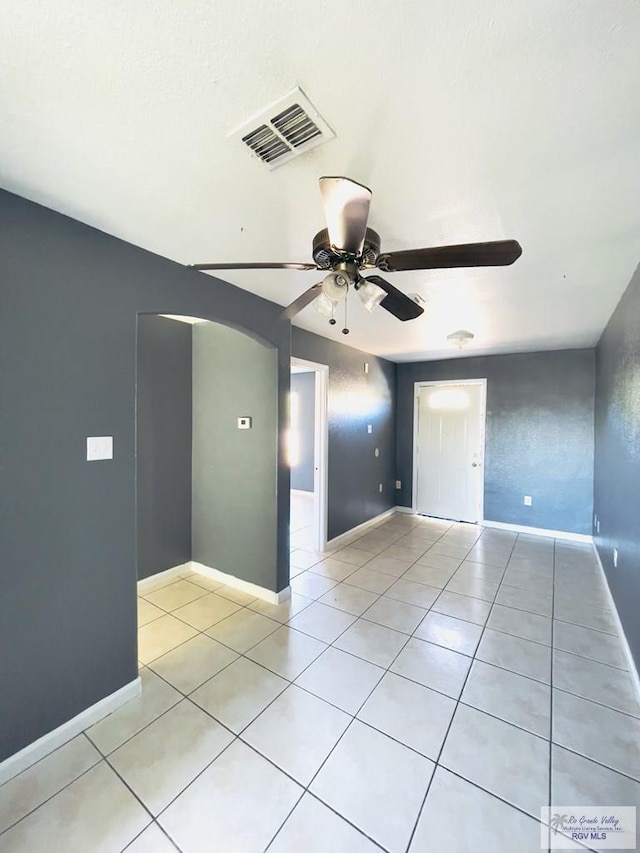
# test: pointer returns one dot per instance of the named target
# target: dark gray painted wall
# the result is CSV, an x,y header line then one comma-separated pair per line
x,y
163,443
70,295
234,471
304,385
539,437
617,465
355,400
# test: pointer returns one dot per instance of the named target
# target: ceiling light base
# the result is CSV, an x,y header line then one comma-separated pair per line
x,y
461,338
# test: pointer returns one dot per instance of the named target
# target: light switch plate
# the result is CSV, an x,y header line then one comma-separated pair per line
x,y
369,428
99,447
244,422
527,500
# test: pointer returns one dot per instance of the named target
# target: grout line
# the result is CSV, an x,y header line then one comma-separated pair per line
x,y
277,625
159,589
361,616
453,715
589,628
162,830
354,717
611,769
599,704
53,751
345,819
551,680
130,789
591,660
239,737
307,787
63,788
497,797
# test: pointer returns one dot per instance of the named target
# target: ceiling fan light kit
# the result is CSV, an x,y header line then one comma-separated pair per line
x,y
371,295
324,306
335,286
347,246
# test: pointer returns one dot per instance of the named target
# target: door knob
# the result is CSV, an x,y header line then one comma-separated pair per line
x,y
475,464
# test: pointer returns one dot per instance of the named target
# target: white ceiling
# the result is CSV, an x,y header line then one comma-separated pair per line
x,y
470,121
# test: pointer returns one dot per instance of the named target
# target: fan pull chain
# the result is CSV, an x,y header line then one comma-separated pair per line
x,y
345,331
333,320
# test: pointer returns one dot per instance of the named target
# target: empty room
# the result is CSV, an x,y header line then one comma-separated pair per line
x,y
320,427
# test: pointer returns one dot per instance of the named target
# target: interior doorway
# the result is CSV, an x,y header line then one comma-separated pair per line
x,y
308,455
448,464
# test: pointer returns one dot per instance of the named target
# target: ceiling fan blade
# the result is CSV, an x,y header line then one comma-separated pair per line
x,y
396,302
302,301
496,254
346,210
252,266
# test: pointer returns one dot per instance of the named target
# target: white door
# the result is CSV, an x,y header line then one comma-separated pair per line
x,y
449,450
318,539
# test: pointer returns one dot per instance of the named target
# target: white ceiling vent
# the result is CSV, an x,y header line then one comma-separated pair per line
x,y
284,130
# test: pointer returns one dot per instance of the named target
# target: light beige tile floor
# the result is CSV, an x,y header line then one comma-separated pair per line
x,y
429,687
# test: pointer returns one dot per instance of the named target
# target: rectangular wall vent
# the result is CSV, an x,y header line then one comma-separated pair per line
x,y
286,129
266,144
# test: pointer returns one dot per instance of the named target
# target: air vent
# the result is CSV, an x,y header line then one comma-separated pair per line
x,y
266,144
286,129
296,126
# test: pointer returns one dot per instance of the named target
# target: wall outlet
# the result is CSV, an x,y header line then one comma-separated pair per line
x,y
366,367
99,447
527,500
380,488
398,484
615,558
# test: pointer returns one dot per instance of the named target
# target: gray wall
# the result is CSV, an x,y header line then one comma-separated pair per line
x,y
617,464
234,471
163,443
70,295
539,438
355,400
304,385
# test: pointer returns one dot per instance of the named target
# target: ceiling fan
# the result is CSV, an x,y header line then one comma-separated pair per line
x,y
346,246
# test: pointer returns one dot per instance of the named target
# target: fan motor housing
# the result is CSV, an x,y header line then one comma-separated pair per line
x,y
325,256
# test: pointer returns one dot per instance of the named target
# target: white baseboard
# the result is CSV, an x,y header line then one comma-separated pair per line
x,y
149,584
361,529
633,669
244,586
23,759
538,531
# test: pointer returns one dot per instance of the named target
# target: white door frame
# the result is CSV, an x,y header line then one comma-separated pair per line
x,y
483,425
320,448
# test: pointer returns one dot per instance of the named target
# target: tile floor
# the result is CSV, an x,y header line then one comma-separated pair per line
x,y
301,521
428,687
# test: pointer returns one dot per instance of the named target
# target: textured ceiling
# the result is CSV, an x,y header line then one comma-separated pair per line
x,y
470,121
